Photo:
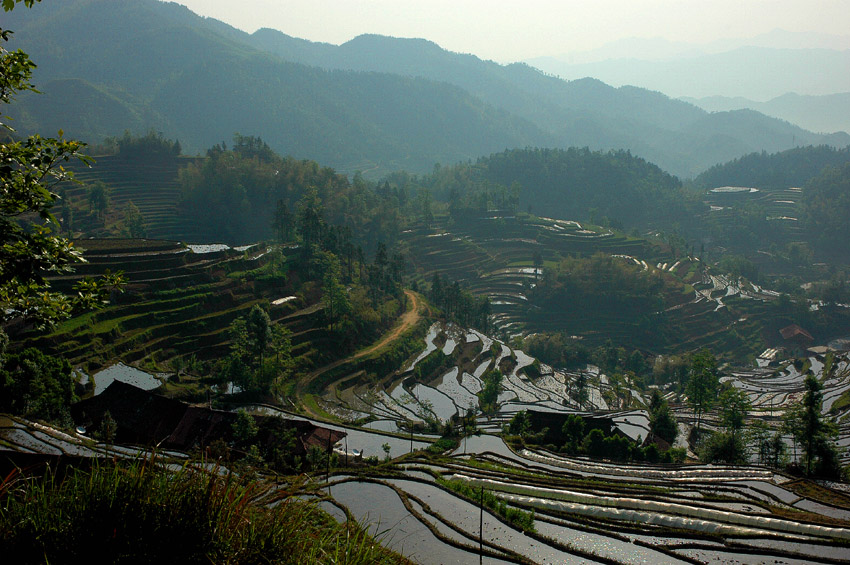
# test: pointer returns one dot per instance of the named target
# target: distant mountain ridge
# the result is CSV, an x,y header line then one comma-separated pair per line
x,y
375,103
830,112
754,72
660,49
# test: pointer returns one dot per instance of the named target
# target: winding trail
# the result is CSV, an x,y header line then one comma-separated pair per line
x,y
406,321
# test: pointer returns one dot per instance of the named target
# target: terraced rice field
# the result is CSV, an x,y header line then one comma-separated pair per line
x,y
781,208
543,506
21,436
772,390
150,185
451,391
584,510
493,257
178,302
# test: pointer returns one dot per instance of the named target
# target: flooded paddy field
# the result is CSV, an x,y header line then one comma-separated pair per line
x,y
542,505
584,510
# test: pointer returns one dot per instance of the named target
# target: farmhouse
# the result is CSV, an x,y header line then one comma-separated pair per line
x,y
144,418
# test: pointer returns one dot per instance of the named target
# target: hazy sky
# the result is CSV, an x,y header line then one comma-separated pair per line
x,y
509,30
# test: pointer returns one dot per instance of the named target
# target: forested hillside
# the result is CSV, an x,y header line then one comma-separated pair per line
x,y
679,137
248,193
793,167
159,65
826,209
374,104
611,187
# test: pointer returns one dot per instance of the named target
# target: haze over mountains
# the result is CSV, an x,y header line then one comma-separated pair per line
x,y
374,104
828,112
760,68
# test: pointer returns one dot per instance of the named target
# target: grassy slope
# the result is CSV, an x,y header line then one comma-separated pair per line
x,y
140,512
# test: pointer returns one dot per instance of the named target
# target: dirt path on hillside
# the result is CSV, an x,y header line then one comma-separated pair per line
x,y
407,321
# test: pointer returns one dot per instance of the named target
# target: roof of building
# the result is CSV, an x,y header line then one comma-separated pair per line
x,y
795,332
145,418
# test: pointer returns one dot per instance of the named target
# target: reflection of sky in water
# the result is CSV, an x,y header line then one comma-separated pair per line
x,y
441,404
466,516
382,510
369,443
208,248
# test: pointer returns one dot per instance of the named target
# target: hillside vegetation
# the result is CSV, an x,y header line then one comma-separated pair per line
x,y
144,513
342,364
467,224
791,168
374,104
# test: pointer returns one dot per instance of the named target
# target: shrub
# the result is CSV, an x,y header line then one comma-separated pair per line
x,y
519,518
142,513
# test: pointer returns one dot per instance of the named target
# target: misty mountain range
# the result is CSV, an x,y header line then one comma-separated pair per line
x,y
374,104
660,49
829,112
752,72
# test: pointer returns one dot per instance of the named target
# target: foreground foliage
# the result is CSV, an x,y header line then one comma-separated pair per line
x,y
141,513
29,252
36,386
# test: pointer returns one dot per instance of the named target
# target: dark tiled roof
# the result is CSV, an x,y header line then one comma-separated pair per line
x,y
145,418
201,426
142,417
795,332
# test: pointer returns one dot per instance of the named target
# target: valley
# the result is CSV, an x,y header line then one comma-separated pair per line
x,y
427,309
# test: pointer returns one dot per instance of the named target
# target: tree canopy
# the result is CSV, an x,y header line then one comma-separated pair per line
x,y
702,383
826,208
815,433
30,252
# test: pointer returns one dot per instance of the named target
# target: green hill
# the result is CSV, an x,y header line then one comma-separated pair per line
x,y
791,168
374,104
167,66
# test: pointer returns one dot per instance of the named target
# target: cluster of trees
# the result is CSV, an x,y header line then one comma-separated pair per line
x,y
804,422
36,386
260,353
588,283
270,443
585,295
228,195
459,304
624,369
134,222
617,187
785,169
488,397
826,208
813,433
735,437
562,350
662,422
729,444
373,293
558,349
703,381
150,147
577,439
